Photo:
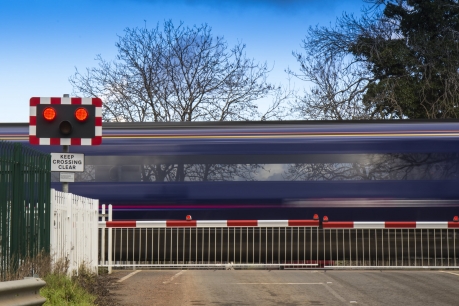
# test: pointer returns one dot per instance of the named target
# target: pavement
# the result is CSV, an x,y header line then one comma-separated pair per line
x,y
286,287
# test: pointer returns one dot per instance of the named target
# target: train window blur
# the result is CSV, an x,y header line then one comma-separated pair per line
x,y
307,167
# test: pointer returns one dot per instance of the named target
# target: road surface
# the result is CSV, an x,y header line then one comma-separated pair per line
x,y
286,287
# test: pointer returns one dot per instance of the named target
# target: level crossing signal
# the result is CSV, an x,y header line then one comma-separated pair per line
x,y
65,121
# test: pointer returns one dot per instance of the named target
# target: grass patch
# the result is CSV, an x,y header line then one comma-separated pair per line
x,y
62,290
82,288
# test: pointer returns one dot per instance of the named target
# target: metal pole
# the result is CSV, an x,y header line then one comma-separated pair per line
x,y
110,241
102,245
65,149
65,186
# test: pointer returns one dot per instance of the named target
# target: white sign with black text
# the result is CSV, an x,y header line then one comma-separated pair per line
x,y
67,162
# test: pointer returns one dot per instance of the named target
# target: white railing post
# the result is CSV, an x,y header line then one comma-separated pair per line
x,y
110,242
95,234
102,237
84,241
81,230
54,224
68,230
77,228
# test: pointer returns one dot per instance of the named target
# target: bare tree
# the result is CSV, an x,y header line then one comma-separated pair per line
x,y
336,89
177,74
181,74
336,78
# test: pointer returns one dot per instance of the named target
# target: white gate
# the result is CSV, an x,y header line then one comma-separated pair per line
x,y
280,244
74,234
432,245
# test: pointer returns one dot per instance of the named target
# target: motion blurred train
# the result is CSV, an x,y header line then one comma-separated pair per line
x,y
348,171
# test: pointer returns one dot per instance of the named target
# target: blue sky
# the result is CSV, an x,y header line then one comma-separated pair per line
x,y
42,41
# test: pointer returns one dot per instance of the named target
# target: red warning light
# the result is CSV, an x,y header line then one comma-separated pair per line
x,y
188,218
49,113
325,219
81,114
316,217
456,219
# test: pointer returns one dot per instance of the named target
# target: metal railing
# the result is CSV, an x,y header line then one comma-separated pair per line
x,y
278,244
24,204
22,292
392,247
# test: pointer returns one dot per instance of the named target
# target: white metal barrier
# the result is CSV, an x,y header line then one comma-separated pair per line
x,y
215,243
391,244
22,292
281,244
74,234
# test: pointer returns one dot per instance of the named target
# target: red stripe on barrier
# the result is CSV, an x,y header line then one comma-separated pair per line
x,y
176,223
76,100
34,140
400,224
98,121
121,224
75,141
33,120
96,140
303,222
34,101
254,223
55,141
97,102
337,224
242,223
55,100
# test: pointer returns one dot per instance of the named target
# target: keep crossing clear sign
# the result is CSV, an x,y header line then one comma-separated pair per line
x,y
67,162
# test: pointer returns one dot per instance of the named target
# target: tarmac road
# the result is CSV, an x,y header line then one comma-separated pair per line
x,y
287,287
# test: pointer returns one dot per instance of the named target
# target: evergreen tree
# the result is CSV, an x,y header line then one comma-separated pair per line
x,y
400,59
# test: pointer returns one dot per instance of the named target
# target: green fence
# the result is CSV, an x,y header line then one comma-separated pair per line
x,y
25,184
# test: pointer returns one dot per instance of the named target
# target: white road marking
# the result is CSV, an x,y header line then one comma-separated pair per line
x,y
172,278
129,275
450,273
353,302
335,294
